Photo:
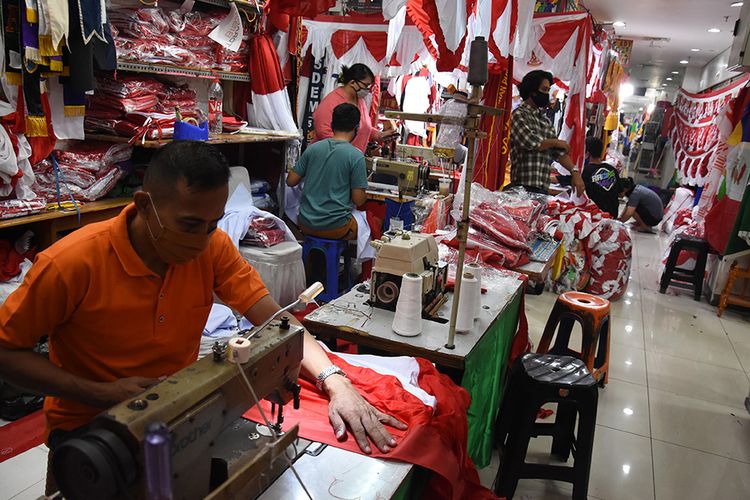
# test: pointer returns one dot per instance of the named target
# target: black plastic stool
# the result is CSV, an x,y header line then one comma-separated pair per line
x,y
685,278
537,379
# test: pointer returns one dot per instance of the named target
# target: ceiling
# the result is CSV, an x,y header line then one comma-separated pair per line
x,y
676,25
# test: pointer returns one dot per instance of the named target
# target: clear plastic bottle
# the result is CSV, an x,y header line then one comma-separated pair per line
x,y
215,107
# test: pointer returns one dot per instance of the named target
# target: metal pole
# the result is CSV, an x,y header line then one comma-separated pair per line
x,y
472,123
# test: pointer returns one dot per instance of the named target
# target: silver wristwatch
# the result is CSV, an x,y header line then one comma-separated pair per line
x,y
331,370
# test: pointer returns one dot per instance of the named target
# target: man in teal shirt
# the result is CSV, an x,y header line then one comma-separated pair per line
x,y
335,178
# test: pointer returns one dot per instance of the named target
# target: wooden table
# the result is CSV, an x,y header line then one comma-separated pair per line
x,y
47,226
480,355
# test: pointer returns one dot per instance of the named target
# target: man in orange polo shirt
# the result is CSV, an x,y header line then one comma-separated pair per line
x,y
124,302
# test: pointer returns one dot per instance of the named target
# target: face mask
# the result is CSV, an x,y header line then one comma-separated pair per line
x,y
540,99
363,93
176,247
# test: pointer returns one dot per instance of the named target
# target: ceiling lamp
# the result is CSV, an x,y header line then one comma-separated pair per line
x,y
669,79
619,24
663,84
714,30
736,4
675,72
626,90
695,50
684,61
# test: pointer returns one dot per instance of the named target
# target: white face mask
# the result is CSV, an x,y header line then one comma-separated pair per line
x,y
363,93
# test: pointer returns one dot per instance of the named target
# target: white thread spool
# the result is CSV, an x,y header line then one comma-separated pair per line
x,y
465,320
476,270
239,350
407,321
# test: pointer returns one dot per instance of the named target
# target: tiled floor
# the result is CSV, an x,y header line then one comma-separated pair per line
x,y
671,421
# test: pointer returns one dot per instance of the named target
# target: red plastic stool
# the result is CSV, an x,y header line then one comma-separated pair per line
x,y
592,313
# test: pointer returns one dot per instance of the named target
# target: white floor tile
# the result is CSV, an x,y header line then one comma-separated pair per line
x,y
701,425
22,472
689,344
743,352
624,406
627,331
32,492
697,380
621,466
627,363
683,473
737,326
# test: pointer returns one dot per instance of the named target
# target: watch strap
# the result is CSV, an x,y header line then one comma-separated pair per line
x,y
327,372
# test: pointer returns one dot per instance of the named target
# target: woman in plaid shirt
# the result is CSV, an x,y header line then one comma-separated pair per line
x,y
533,143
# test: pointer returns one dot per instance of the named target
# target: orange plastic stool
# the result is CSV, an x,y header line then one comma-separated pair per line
x,y
592,313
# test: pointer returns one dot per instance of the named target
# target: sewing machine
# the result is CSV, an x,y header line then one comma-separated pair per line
x,y
406,253
410,176
198,405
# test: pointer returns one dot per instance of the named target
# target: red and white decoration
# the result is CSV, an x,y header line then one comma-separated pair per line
x,y
561,44
270,108
695,132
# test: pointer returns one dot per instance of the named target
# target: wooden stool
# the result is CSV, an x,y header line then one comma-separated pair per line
x,y
592,313
728,296
537,379
685,278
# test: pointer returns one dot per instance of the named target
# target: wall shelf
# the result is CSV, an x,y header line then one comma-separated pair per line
x,y
164,69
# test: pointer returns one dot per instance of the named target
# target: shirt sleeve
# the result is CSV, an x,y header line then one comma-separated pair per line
x,y
322,117
635,198
236,282
525,134
44,300
358,176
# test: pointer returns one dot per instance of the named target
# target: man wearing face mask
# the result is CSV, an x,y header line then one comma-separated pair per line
x,y
533,142
124,302
335,178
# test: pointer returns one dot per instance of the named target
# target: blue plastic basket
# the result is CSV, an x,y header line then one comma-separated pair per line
x,y
184,131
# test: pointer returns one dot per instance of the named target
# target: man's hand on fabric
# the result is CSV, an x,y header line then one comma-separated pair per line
x,y
118,391
347,408
578,184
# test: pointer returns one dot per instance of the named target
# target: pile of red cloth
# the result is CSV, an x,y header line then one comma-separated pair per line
x,y
264,232
609,249
136,106
158,36
18,208
87,171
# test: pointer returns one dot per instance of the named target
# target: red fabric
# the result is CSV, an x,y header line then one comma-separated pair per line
x,y
10,260
720,222
264,66
434,441
610,250
296,8
41,147
492,152
22,435
555,39
498,7
376,42
501,226
521,343
425,15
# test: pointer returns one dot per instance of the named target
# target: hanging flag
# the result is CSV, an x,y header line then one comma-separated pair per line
x,y
270,107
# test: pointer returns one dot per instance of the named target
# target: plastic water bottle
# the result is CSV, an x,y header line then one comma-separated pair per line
x,y
215,107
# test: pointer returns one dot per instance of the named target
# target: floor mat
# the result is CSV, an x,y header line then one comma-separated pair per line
x,y
21,435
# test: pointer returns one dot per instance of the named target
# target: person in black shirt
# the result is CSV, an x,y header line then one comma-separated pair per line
x,y
601,179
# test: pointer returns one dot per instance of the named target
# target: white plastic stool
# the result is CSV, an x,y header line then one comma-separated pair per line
x,y
280,267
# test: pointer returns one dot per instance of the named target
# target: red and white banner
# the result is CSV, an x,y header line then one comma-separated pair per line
x,y
561,44
695,133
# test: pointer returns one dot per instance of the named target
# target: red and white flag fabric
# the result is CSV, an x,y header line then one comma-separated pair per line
x,y
270,107
695,133
561,44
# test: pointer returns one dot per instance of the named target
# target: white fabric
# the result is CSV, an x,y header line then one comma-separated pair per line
x,y
416,100
238,212
404,368
452,16
280,267
66,127
364,249
221,325
271,111
293,196
392,8
523,28
8,163
10,286
23,185
682,199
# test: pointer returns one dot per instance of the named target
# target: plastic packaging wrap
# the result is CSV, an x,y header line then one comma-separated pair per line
x,y
687,259
501,226
264,232
610,249
450,135
18,208
259,187
93,155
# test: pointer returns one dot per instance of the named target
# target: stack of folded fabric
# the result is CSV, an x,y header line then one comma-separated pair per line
x,y
87,172
158,36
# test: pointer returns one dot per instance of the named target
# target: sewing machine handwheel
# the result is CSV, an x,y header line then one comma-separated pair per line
x,y
95,465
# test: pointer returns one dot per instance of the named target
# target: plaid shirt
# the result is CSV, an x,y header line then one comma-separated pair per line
x,y
528,128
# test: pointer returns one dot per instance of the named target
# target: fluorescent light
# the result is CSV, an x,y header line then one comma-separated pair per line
x,y
695,50
626,468
675,72
669,79
714,30
626,90
627,411
684,61
736,4
651,108
619,24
